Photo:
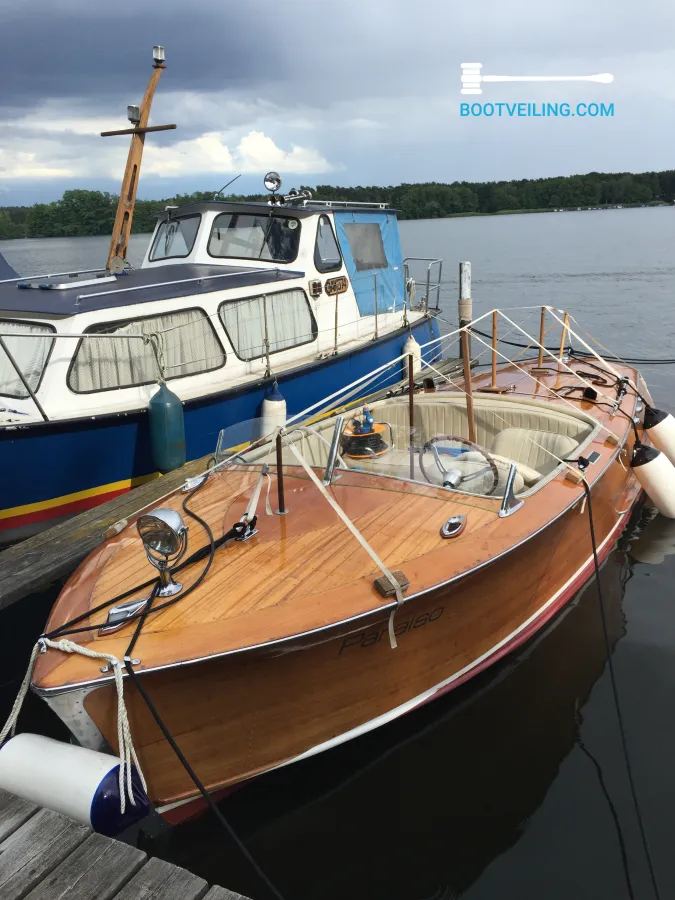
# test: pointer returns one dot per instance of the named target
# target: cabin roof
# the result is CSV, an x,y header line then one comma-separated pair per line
x,y
259,207
138,286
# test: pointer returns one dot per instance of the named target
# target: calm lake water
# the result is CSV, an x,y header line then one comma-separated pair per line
x,y
492,791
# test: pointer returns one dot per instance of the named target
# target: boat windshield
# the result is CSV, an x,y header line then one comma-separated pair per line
x,y
266,236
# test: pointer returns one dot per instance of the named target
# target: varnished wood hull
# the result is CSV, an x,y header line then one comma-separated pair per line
x,y
238,716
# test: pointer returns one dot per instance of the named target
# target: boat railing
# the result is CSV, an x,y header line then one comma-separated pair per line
x,y
427,284
345,204
53,275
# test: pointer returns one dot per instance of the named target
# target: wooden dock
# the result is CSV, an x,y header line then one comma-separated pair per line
x,y
37,561
45,856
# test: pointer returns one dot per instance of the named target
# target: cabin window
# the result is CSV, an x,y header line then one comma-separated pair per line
x,y
266,236
290,322
365,242
175,238
29,353
326,251
187,345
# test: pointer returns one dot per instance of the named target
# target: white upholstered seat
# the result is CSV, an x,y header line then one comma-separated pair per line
x,y
538,450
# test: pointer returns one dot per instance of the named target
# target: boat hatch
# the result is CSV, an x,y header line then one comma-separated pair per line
x,y
371,250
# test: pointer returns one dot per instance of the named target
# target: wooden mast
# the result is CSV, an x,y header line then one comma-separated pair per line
x,y
125,208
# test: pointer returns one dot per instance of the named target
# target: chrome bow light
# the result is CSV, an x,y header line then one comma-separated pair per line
x,y
164,536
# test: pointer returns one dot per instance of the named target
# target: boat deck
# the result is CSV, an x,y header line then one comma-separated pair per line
x,y
304,573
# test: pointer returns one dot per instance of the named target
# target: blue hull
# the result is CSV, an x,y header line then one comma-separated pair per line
x,y
52,461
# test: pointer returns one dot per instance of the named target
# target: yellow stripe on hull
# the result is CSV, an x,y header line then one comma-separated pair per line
x,y
123,485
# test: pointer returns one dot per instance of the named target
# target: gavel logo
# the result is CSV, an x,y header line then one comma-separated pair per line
x,y
472,78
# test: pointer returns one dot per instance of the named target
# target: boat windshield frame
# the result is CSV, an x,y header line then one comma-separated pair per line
x,y
272,215
165,224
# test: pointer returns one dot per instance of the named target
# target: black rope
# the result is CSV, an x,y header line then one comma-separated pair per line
x,y
615,693
610,804
584,354
210,550
237,529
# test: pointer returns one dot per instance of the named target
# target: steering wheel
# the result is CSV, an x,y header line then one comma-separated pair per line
x,y
490,467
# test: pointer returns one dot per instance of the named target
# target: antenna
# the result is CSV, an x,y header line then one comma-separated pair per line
x,y
138,116
232,180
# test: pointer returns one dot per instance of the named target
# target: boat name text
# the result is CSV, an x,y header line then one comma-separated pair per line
x,y
368,638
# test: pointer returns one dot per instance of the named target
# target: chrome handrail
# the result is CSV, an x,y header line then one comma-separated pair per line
x,y
509,502
334,449
54,275
429,286
199,279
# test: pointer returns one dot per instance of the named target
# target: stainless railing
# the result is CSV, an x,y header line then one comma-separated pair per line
x,y
428,285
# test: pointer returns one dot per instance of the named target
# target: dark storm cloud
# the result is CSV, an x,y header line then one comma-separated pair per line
x,y
83,49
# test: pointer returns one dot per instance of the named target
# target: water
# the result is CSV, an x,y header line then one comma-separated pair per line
x,y
490,791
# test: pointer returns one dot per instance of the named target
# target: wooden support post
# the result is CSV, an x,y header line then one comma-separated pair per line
x,y
542,336
125,208
465,301
280,478
494,348
468,387
411,412
563,336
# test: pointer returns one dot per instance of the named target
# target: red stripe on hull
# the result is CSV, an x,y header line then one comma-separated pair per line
x,y
55,512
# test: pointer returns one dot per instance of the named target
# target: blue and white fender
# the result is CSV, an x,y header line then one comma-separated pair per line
x,y
79,783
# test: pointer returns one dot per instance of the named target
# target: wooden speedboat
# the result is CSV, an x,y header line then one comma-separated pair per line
x,y
410,570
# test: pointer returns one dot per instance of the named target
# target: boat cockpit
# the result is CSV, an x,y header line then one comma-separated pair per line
x,y
532,435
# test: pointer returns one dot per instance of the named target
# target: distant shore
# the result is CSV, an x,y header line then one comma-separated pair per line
x,y
81,213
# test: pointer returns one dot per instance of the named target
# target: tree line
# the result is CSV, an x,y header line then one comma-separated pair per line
x,y
81,212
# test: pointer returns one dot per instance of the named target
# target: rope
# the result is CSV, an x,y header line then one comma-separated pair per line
x,y
127,753
359,537
617,702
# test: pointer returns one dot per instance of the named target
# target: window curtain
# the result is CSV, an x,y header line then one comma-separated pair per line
x,y
289,323
187,345
30,354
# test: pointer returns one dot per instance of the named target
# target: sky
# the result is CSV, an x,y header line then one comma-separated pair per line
x,y
343,92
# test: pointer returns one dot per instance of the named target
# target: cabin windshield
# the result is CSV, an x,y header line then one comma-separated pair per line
x,y
266,236
29,344
175,238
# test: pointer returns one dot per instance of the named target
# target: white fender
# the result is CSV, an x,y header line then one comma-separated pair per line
x,y
412,348
656,474
273,411
660,427
79,783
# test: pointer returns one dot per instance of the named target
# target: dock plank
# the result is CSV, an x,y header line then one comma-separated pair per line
x,y
221,893
159,880
13,813
96,870
29,854
42,559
